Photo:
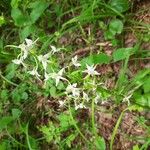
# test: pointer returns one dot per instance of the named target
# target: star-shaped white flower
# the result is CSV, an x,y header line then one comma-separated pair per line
x,y
86,97
29,43
57,76
73,89
34,73
54,49
61,103
97,98
44,60
26,46
46,76
91,70
75,61
80,106
17,61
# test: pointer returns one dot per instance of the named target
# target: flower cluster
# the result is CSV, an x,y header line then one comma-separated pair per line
x,y
80,96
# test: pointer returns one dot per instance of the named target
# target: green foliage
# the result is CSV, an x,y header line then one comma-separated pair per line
x,y
115,27
96,59
119,5
29,102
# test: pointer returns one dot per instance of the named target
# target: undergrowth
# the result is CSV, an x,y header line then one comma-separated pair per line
x,y
56,60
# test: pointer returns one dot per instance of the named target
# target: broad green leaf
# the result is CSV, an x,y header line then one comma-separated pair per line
x,y
101,58
116,26
38,8
19,18
5,121
109,35
53,91
88,60
15,3
120,5
143,100
121,53
138,79
26,31
96,59
24,95
16,113
65,122
146,85
10,71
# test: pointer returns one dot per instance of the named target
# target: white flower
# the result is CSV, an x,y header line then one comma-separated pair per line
x,y
54,49
44,60
79,106
46,76
24,50
127,99
97,98
85,97
61,103
91,70
72,89
75,61
25,47
57,76
29,43
17,61
34,73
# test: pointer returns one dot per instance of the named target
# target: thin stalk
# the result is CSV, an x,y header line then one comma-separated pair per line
x,y
15,139
116,128
93,117
27,138
10,82
75,125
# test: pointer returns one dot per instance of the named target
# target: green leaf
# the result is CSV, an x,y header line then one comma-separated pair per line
x,y
101,58
10,71
120,5
116,26
143,100
26,31
70,139
146,85
4,95
16,113
24,95
100,143
65,122
15,3
53,91
121,53
5,121
135,108
19,18
136,147
38,8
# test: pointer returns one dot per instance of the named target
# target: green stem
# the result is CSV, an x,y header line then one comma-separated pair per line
x,y
93,118
116,128
15,139
75,125
27,137
12,83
